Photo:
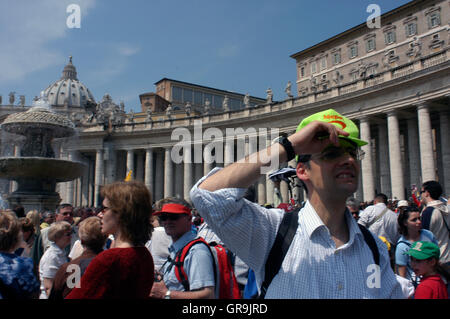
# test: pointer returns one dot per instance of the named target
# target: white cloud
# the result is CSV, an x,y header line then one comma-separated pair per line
x,y
26,30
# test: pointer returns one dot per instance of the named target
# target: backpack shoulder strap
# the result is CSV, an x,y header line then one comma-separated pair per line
x,y
180,273
285,235
425,217
370,241
373,221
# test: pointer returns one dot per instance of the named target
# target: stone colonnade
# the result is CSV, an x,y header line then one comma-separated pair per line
x,y
406,147
164,172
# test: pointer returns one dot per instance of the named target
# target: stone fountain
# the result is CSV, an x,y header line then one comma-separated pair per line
x,y
36,170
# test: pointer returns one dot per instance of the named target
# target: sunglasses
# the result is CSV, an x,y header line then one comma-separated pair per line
x,y
333,153
172,217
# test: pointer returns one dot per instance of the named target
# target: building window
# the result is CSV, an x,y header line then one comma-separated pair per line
x,y
434,19
411,29
218,100
313,67
187,95
389,37
198,97
370,44
353,51
323,63
337,58
176,93
302,71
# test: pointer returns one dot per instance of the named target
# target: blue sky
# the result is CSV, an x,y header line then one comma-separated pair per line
x,y
124,47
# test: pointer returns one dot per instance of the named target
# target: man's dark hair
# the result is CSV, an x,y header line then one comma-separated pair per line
x,y
19,211
434,188
63,206
381,197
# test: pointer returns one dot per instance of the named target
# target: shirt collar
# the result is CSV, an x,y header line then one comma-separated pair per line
x,y
310,218
312,222
57,248
181,242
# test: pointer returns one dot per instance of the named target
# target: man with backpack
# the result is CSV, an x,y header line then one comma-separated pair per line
x,y
436,218
323,253
194,276
380,220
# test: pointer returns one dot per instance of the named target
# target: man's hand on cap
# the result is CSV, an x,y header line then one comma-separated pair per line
x,y
315,136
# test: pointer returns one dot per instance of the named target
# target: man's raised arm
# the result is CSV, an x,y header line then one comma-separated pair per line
x,y
246,171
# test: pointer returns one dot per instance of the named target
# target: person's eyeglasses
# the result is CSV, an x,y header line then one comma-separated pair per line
x,y
422,191
67,214
333,153
171,217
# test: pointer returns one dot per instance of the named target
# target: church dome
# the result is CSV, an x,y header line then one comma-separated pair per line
x,y
69,90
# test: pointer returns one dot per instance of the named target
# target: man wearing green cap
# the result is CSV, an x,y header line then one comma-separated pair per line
x,y
328,256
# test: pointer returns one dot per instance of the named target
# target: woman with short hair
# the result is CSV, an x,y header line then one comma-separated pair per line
x,y
59,235
125,270
17,280
92,240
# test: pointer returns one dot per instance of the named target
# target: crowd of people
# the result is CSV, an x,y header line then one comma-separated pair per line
x,y
131,247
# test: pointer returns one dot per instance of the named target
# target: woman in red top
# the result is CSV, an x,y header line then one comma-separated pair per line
x,y
425,263
125,270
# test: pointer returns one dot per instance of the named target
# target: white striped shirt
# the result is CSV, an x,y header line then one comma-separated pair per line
x,y
313,267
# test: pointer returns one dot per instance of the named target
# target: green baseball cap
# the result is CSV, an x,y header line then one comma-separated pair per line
x,y
340,121
423,250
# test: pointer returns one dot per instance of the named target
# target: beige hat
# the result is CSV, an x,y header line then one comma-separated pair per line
x,y
402,203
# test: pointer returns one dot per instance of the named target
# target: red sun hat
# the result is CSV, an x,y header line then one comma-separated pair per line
x,y
173,208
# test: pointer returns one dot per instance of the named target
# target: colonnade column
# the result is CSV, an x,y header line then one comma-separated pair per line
x,y
413,152
188,166
149,171
395,158
229,151
168,173
207,159
366,163
98,176
269,183
426,143
70,184
130,163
